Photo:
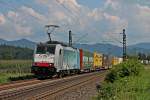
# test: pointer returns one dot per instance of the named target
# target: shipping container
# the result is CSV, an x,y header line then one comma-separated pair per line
x,y
115,61
97,60
107,61
120,60
86,61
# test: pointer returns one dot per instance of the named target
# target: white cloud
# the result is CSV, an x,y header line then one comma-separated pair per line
x,y
96,14
135,16
72,4
114,16
143,19
12,14
114,4
68,14
23,31
17,24
33,13
60,16
2,19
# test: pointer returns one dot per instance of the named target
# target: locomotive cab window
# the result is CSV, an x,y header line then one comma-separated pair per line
x,y
51,49
41,49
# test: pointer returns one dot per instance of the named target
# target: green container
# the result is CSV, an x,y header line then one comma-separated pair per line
x,y
87,60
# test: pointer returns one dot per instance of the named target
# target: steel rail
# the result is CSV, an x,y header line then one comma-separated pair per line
x,y
41,89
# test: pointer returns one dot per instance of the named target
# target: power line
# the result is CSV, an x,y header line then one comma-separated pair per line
x,y
69,11
75,16
115,39
83,36
64,6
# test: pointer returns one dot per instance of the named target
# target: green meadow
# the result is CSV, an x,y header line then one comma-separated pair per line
x,y
11,70
128,81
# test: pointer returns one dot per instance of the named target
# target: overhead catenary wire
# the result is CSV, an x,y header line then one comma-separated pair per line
x,y
83,36
72,15
13,8
113,38
75,17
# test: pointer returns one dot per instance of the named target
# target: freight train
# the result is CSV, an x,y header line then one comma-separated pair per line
x,y
55,58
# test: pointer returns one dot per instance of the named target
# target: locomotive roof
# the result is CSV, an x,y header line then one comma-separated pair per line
x,y
56,42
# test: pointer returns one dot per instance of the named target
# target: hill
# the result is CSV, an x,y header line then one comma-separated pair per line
x,y
24,43
103,48
11,52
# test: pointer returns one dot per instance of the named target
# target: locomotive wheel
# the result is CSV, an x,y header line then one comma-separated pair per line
x,y
61,74
41,77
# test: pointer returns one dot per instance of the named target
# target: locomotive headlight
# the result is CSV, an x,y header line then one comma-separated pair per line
x,y
51,64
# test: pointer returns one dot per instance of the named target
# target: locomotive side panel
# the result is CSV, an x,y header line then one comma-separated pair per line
x,y
70,59
58,61
78,58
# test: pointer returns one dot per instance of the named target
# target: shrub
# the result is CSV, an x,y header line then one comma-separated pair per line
x,y
21,77
124,82
130,67
111,76
105,92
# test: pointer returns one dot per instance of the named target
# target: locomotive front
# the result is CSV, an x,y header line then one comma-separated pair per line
x,y
43,61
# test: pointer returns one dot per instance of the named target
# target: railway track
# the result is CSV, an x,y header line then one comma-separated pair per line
x,y
71,85
49,88
16,84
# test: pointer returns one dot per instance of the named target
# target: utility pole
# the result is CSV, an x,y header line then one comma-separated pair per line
x,y
70,38
50,29
124,55
124,45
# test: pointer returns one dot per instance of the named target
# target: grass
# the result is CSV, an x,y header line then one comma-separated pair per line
x,y
8,77
15,66
11,70
132,87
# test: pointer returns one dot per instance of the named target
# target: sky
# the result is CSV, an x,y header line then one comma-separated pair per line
x,y
91,21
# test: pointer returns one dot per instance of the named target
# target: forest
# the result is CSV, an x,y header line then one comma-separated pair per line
x,y
11,52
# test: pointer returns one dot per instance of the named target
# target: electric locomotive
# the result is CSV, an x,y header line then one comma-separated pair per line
x,y
55,58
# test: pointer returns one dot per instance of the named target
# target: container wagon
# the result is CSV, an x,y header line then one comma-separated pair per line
x,y
97,61
115,60
86,61
107,61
